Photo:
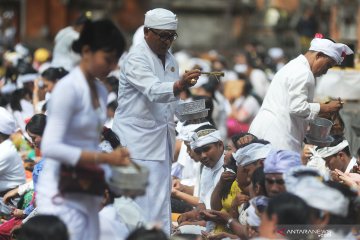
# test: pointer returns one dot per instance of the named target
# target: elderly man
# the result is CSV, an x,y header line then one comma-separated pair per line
x,y
144,119
12,173
275,165
288,104
206,142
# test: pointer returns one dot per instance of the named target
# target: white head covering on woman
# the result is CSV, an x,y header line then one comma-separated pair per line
x,y
337,51
160,18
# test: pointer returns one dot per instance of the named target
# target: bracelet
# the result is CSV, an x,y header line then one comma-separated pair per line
x,y
96,158
228,224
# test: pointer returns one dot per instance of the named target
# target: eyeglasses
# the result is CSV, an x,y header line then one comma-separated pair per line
x,y
164,36
275,181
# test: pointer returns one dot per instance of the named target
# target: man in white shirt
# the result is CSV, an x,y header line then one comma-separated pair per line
x,y
63,56
288,104
337,156
206,142
144,120
12,173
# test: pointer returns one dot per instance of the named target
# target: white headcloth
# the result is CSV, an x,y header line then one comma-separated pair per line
x,y
185,132
160,18
7,122
251,153
320,196
328,151
204,137
336,51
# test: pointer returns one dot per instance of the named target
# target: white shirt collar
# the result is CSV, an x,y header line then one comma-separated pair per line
x,y
351,164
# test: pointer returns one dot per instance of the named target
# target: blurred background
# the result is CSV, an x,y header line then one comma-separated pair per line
x,y
223,25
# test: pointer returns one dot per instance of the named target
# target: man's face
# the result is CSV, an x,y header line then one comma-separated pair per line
x,y
159,40
274,184
336,161
322,64
210,153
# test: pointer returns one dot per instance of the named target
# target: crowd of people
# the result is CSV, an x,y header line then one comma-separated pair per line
x,y
94,145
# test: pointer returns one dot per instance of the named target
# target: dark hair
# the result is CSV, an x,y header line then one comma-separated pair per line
x,y
111,137
3,136
208,104
43,227
16,96
289,209
100,35
54,74
113,82
258,177
37,124
145,234
351,195
113,105
255,140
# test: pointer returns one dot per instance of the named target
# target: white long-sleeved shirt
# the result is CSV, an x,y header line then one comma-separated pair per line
x,y
12,172
73,125
144,119
287,107
63,56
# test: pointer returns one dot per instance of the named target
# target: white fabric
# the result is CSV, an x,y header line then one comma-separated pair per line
x,y
317,195
155,204
291,180
26,113
343,83
145,114
199,141
23,188
252,218
208,179
334,50
328,151
259,82
185,132
24,78
130,213
138,37
160,18
144,122
221,111
351,164
189,167
7,122
72,125
316,161
111,97
111,226
287,107
251,153
246,108
12,172
63,56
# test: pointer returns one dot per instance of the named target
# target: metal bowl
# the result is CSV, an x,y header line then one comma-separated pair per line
x,y
184,108
192,115
320,129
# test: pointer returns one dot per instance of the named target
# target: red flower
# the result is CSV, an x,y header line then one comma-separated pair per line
x,y
318,35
